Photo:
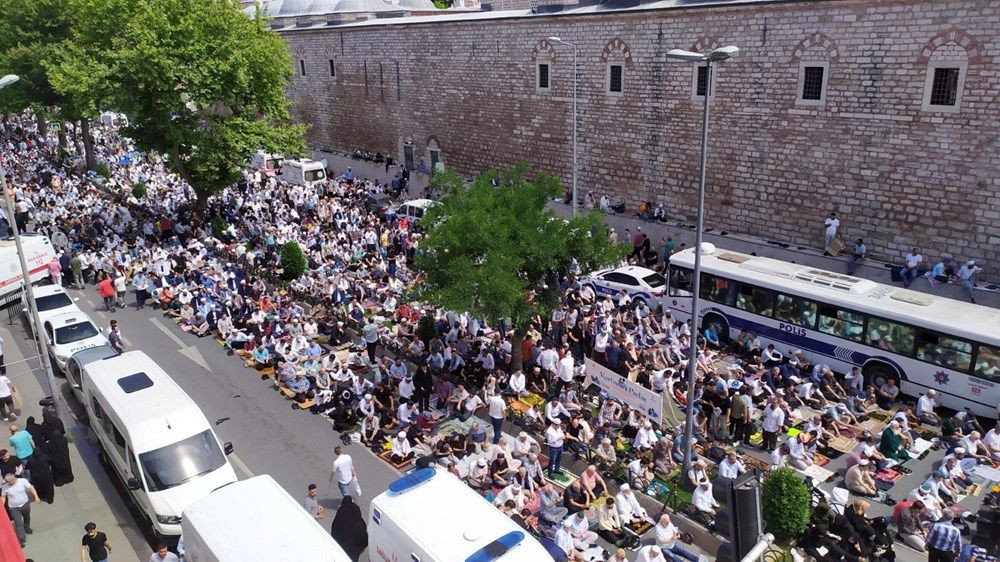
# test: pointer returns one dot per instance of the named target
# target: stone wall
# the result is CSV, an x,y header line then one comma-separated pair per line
x,y
897,172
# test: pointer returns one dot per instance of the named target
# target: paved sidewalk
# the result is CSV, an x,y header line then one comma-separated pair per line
x,y
58,528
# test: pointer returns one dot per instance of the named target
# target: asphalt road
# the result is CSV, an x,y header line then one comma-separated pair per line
x,y
295,447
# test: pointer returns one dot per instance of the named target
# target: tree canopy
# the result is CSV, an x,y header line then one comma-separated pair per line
x,y
199,81
498,251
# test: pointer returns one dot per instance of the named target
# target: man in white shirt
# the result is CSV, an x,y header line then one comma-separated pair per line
x,y
343,471
798,456
770,357
731,466
401,450
645,438
565,371
925,408
554,411
668,539
498,410
629,510
18,493
583,537
516,384
7,390
910,271
650,553
555,438
974,447
703,500
547,360
992,442
774,418
564,537
831,224
523,446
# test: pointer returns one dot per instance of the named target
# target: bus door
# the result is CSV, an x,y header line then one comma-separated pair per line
x,y
679,289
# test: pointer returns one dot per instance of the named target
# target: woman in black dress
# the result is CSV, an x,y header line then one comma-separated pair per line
x,y
38,464
57,447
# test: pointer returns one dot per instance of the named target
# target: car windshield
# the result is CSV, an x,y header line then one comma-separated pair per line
x,y
655,280
75,332
175,464
314,175
52,302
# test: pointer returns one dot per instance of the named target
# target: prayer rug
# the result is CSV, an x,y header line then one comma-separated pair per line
x,y
820,459
818,473
843,444
386,456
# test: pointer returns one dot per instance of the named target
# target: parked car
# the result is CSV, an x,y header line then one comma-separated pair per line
x,y
50,300
638,282
68,333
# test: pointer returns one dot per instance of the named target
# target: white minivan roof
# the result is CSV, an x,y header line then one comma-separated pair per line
x,y
156,411
256,519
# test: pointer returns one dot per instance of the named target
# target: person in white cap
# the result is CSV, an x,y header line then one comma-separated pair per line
x,y
524,445
478,474
703,500
859,479
967,277
925,408
515,493
401,449
629,510
650,553
564,537
645,437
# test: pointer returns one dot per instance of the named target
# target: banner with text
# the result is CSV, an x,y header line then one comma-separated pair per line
x,y
630,393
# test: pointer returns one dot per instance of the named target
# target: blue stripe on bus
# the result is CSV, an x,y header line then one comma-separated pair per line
x,y
815,346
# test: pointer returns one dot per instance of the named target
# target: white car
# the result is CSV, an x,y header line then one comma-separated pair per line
x,y
638,282
68,333
50,300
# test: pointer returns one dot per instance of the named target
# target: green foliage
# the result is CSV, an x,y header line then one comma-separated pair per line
x,y
220,225
198,79
426,329
293,261
139,190
498,251
443,4
103,170
786,503
31,34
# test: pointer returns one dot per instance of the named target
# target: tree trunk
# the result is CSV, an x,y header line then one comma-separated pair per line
x,y
516,360
40,122
88,144
62,135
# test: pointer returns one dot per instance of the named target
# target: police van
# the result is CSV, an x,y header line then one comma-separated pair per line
x,y
153,437
429,515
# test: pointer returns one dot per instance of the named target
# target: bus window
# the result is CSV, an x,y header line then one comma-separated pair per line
x,y
755,299
716,289
840,323
796,310
890,336
944,351
988,363
680,280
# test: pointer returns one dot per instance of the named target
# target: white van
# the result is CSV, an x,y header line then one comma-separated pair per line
x,y
303,172
414,209
38,252
429,515
255,519
154,437
266,162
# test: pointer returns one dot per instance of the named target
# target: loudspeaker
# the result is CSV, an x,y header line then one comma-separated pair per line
x,y
746,513
725,553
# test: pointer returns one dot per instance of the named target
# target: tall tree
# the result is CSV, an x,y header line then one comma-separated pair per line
x,y
498,251
199,81
31,33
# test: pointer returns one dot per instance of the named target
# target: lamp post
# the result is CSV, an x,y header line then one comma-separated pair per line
x,y
718,55
40,341
575,80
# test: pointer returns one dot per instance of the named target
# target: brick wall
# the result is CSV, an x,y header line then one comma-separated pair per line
x,y
896,173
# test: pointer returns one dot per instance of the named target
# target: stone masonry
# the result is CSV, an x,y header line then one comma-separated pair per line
x,y
897,171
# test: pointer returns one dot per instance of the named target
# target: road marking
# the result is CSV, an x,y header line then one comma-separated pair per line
x,y
101,314
156,322
90,302
192,353
238,463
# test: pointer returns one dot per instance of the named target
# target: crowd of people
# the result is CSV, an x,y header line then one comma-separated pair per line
x,y
421,385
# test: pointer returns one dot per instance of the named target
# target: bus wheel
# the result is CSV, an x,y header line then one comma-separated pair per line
x,y
719,324
877,374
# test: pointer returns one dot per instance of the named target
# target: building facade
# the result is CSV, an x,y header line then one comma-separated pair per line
x,y
885,111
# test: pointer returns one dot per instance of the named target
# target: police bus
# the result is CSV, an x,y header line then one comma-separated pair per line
x,y
922,341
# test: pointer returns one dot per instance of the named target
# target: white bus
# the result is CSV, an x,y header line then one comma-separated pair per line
x,y
923,341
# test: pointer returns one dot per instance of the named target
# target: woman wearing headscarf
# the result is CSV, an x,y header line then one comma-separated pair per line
x,y
38,465
54,436
349,528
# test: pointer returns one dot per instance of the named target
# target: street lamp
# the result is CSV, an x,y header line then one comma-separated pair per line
x,y
575,80
718,55
40,341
